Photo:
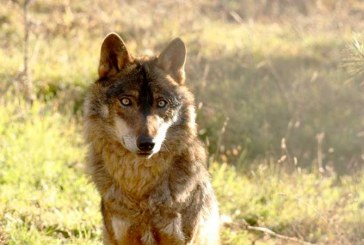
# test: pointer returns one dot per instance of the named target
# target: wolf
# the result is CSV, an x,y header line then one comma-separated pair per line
x,y
144,156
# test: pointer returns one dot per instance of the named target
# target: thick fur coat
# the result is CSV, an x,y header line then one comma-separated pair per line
x,y
144,155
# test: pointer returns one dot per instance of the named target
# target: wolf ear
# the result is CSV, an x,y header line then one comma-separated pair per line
x,y
173,58
114,55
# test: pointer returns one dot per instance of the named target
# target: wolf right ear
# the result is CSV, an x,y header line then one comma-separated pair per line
x,y
173,58
114,55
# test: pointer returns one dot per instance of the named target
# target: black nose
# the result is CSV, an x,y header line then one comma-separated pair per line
x,y
145,143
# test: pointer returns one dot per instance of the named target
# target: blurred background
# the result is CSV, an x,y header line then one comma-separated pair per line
x,y
279,87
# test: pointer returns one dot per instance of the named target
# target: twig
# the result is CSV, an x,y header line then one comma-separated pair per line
x,y
26,39
219,138
320,137
276,235
27,81
277,78
2,237
236,17
244,225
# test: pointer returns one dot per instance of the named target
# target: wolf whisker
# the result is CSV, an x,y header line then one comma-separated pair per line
x,y
127,136
165,147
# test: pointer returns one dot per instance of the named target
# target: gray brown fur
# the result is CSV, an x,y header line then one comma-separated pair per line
x,y
161,197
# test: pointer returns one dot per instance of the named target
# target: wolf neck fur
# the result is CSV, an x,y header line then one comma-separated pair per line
x,y
134,175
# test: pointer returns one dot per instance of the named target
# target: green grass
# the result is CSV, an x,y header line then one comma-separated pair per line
x,y
283,78
44,194
317,209
45,197
277,72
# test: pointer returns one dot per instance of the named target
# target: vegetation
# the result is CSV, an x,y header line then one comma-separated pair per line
x,y
280,93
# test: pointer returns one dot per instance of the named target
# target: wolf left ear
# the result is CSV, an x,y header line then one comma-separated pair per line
x,y
114,56
173,58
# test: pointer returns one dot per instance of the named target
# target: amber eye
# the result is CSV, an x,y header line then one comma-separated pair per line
x,y
125,101
162,103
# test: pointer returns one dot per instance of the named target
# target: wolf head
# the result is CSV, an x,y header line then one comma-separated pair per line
x,y
141,103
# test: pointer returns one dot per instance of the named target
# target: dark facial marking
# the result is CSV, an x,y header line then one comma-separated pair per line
x,y
114,90
120,86
141,84
145,94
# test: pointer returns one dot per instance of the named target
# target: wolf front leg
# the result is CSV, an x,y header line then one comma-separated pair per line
x,y
108,232
170,229
117,230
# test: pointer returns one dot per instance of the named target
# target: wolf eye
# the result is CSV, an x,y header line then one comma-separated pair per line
x,y
125,102
162,103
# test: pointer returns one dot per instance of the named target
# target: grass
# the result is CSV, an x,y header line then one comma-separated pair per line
x,y
319,210
44,194
266,72
45,197
277,73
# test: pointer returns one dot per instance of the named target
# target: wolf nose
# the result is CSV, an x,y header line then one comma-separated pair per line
x,y
145,143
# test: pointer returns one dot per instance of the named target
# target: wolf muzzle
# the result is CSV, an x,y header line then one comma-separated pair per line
x,y
145,144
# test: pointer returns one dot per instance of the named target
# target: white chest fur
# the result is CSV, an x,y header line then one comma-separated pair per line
x,y
120,227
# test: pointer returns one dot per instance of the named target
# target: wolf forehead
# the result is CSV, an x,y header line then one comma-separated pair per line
x,y
143,83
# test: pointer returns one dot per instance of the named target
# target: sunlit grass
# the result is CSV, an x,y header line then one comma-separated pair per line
x,y
45,196
317,209
272,73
